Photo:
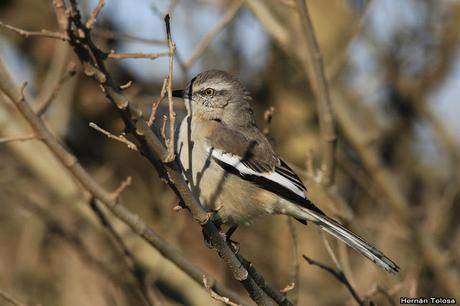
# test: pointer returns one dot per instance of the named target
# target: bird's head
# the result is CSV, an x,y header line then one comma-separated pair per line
x,y
217,95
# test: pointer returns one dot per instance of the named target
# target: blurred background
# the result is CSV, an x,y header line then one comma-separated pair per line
x,y
393,69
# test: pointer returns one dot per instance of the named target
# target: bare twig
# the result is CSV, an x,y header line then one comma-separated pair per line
x,y
125,184
157,102
92,18
9,299
42,33
43,104
120,138
163,128
151,56
294,287
216,296
320,88
127,85
339,276
288,288
61,16
172,114
330,251
18,138
208,38
376,289
129,37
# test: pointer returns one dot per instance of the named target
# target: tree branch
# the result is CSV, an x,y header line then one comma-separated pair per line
x,y
208,38
338,275
121,138
69,161
92,18
27,34
18,138
150,56
11,300
321,91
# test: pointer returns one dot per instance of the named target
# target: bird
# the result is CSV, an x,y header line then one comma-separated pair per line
x,y
232,168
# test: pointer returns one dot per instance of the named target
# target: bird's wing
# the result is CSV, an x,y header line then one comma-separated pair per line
x,y
253,159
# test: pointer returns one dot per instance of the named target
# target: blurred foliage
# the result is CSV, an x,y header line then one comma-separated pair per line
x,y
55,252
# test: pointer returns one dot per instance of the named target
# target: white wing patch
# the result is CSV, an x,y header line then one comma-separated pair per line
x,y
236,162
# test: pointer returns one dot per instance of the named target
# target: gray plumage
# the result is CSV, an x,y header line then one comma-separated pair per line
x,y
232,168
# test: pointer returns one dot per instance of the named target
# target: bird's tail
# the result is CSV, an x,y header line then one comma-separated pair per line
x,y
353,240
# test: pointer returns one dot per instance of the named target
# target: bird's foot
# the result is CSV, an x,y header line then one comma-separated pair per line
x,y
234,245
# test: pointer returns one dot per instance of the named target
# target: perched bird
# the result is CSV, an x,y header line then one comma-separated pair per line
x,y
232,168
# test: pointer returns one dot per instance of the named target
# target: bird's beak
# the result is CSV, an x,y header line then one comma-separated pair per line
x,y
179,93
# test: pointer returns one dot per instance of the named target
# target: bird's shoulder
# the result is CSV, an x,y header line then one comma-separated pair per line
x,y
248,144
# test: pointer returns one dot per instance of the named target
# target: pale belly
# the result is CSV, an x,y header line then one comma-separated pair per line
x,y
234,200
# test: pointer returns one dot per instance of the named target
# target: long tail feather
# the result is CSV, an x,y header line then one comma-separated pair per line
x,y
351,239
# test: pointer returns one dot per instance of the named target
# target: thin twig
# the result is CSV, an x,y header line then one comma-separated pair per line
x,y
216,296
172,114
92,18
150,56
11,300
330,251
43,104
157,102
18,138
128,37
208,38
131,145
288,288
61,16
163,128
126,85
339,276
295,264
27,34
125,184
320,89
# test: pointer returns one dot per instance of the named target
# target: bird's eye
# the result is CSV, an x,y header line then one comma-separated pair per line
x,y
209,92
